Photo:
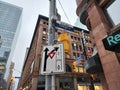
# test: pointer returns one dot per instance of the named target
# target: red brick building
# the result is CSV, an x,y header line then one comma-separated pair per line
x,y
31,78
95,15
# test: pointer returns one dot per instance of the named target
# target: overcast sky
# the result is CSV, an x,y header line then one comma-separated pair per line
x,y
31,10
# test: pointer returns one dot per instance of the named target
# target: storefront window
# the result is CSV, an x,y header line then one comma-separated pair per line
x,y
66,83
80,87
41,83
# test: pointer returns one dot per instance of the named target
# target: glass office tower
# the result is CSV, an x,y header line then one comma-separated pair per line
x,y
9,21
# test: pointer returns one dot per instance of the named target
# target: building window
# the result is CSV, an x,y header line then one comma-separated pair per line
x,y
81,69
111,11
87,42
78,39
90,42
68,68
44,22
41,80
80,47
74,55
71,37
78,54
44,31
75,38
73,46
44,40
76,47
59,33
66,83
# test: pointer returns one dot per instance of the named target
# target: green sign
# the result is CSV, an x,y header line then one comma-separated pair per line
x,y
113,39
112,42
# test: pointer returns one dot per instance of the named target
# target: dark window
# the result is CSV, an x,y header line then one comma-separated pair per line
x,y
44,31
80,47
44,22
78,54
71,37
75,38
68,68
44,40
74,54
59,33
76,47
78,39
66,83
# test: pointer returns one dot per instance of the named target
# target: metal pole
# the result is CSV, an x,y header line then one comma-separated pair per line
x,y
50,79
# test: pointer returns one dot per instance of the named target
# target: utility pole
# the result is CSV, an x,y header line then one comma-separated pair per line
x,y
50,79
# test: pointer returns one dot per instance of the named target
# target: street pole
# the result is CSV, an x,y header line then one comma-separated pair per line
x,y
50,79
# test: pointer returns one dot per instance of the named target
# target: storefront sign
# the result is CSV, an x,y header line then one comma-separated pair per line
x,y
112,42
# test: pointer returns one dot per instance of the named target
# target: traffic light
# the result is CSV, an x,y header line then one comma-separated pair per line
x,y
65,40
74,66
92,76
11,79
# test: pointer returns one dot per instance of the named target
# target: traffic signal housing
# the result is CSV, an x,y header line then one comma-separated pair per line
x,y
11,79
74,66
65,40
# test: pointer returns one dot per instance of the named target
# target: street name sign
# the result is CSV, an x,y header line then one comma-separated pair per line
x,y
53,61
64,26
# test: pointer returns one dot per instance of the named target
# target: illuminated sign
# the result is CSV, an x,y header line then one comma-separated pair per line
x,y
112,42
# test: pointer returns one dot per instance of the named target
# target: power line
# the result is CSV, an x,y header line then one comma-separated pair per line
x,y
64,11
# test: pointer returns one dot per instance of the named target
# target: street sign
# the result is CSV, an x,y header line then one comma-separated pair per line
x,y
53,61
64,26
79,57
79,60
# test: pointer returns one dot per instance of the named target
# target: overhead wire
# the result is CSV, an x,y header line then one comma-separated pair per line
x,y
64,11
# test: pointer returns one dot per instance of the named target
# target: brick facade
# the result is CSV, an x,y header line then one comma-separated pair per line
x,y
99,26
